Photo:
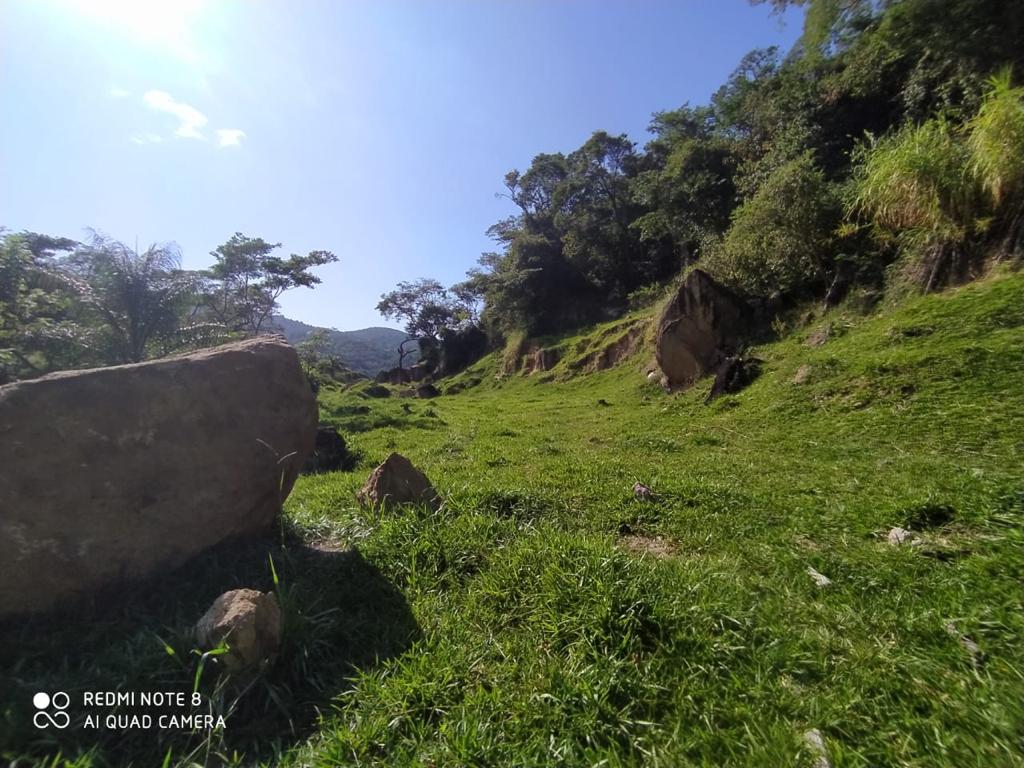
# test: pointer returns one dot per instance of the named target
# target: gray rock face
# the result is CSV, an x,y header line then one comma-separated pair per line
x,y
248,621
704,323
117,473
396,481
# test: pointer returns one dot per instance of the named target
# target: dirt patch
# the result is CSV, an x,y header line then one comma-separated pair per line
x,y
656,546
615,352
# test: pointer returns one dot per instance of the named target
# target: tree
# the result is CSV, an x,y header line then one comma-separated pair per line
x,y
36,334
426,308
780,240
133,303
246,281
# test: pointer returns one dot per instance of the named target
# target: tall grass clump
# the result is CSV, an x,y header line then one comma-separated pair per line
x,y
916,190
995,141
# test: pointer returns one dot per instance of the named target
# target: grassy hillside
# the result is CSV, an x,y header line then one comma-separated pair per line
x,y
565,621
547,616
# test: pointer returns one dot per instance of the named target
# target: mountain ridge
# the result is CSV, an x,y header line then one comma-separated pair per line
x,y
366,350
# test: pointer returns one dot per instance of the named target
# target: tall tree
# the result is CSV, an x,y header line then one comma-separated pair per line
x,y
247,280
426,309
36,333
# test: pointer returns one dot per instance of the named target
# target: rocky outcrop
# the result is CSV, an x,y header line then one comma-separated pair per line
x,y
704,323
396,481
117,473
544,359
248,622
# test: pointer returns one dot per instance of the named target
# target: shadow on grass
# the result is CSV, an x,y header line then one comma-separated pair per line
x,y
341,617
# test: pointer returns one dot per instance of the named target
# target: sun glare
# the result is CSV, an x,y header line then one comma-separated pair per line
x,y
162,22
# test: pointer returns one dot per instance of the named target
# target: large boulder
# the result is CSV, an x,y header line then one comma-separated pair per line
x,y
248,622
703,324
117,473
396,481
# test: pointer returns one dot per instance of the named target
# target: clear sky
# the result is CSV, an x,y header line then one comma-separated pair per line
x,y
377,129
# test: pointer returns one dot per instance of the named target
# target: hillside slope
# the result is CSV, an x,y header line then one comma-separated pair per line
x,y
545,615
367,350
566,621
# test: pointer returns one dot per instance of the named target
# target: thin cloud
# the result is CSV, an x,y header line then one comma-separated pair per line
x,y
118,93
145,138
190,119
230,137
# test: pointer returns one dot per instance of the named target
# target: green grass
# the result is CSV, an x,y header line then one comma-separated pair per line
x,y
531,636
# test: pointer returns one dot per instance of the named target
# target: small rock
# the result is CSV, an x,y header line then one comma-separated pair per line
x,y
732,375
819,337
603,403
897,536
819,578
816,744
803,373
248,621
396,481
427,391
641,491
969,645
330,454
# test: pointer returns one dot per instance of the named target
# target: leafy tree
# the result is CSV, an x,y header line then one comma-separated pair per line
x,y
246,281
781,239
36,333
426,308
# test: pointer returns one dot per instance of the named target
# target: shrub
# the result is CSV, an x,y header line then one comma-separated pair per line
x,y
781,238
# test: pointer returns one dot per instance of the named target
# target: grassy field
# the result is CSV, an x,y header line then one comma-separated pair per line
x,y
547,616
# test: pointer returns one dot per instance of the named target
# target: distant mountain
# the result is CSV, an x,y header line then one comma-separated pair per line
x,y
369,350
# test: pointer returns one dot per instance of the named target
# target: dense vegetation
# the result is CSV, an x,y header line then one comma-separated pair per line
x,y
887,144
65,304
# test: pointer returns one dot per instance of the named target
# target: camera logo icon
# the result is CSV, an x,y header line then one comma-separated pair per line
x,y
58,718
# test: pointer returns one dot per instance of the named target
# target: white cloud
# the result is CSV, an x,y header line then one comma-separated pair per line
x,y
118,93
190,119
230,137
145,138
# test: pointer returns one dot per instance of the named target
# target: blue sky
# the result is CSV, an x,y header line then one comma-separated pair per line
x,y
380,130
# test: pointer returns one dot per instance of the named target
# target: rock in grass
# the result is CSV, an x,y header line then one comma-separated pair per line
x,y
331,452
819,578
641,491
803,373
816,745
968,645
427,391
898,536
396,481
248,622
732,375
